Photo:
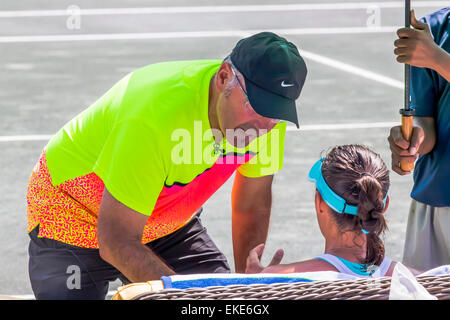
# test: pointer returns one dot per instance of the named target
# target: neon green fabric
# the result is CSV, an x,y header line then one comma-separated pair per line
x,y
148,139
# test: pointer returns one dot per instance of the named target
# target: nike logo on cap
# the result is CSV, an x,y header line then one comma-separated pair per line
x,y
284,85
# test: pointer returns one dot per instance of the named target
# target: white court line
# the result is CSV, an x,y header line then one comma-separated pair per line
x,y
313,127
37,137
342,126
193,34
233,33
222,9
352,69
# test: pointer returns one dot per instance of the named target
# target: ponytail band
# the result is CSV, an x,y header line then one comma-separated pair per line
x,y
336,202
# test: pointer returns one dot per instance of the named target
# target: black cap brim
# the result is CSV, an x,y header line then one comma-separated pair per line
x,y
271,105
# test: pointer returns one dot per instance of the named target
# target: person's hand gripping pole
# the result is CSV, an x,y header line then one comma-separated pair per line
x,y
407,113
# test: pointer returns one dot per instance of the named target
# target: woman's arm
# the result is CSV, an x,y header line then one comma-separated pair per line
x,y
254,263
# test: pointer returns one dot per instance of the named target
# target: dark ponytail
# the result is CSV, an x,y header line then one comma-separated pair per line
x,y
372,219
360,176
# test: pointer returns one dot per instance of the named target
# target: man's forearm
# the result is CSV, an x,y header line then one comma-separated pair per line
x,y
427,124
138,262
249,230
441,63
251,202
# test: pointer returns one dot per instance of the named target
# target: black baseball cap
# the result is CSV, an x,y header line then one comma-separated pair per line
x,y
274,74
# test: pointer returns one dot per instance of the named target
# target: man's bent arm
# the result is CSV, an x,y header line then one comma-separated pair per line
x,y
119,231
441,63
251,205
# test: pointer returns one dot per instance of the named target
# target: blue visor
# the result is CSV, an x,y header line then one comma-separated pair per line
x,y
336,202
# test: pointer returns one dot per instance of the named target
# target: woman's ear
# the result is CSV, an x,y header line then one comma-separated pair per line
x,y
323,218
317,199
321,206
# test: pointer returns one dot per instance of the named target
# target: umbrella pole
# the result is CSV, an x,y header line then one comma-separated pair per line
x,y
407,113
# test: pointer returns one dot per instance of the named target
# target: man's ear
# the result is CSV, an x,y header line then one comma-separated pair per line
x,y
223,76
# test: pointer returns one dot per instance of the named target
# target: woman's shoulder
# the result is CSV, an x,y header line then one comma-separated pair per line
x,y
313,265
301,266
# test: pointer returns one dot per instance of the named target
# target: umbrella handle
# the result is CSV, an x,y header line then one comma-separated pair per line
x,y
407,128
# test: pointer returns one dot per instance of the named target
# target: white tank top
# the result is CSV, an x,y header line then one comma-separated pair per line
x,y
342,268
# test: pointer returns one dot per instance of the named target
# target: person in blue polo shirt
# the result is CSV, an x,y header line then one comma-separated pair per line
x,y
426,48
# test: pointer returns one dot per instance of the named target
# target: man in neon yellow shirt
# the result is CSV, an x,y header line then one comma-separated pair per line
x,y
119,189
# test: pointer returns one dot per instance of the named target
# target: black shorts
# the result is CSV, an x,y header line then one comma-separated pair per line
x,y
61,271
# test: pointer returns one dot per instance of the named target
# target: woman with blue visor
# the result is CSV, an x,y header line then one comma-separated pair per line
x,y
351,197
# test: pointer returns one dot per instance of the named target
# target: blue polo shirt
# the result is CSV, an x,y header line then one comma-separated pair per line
x,y
430,97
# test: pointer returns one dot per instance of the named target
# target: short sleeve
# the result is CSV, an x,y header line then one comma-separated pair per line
x,y
113,95
269,159
131,166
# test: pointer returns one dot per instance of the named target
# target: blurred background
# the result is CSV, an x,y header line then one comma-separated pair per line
x,y
58,57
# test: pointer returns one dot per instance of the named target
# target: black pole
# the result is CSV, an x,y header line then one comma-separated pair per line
x,y
407,113
407,103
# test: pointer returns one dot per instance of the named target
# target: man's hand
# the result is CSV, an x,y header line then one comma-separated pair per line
x,y
402,150
254,260
119,232
422,141
416,46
